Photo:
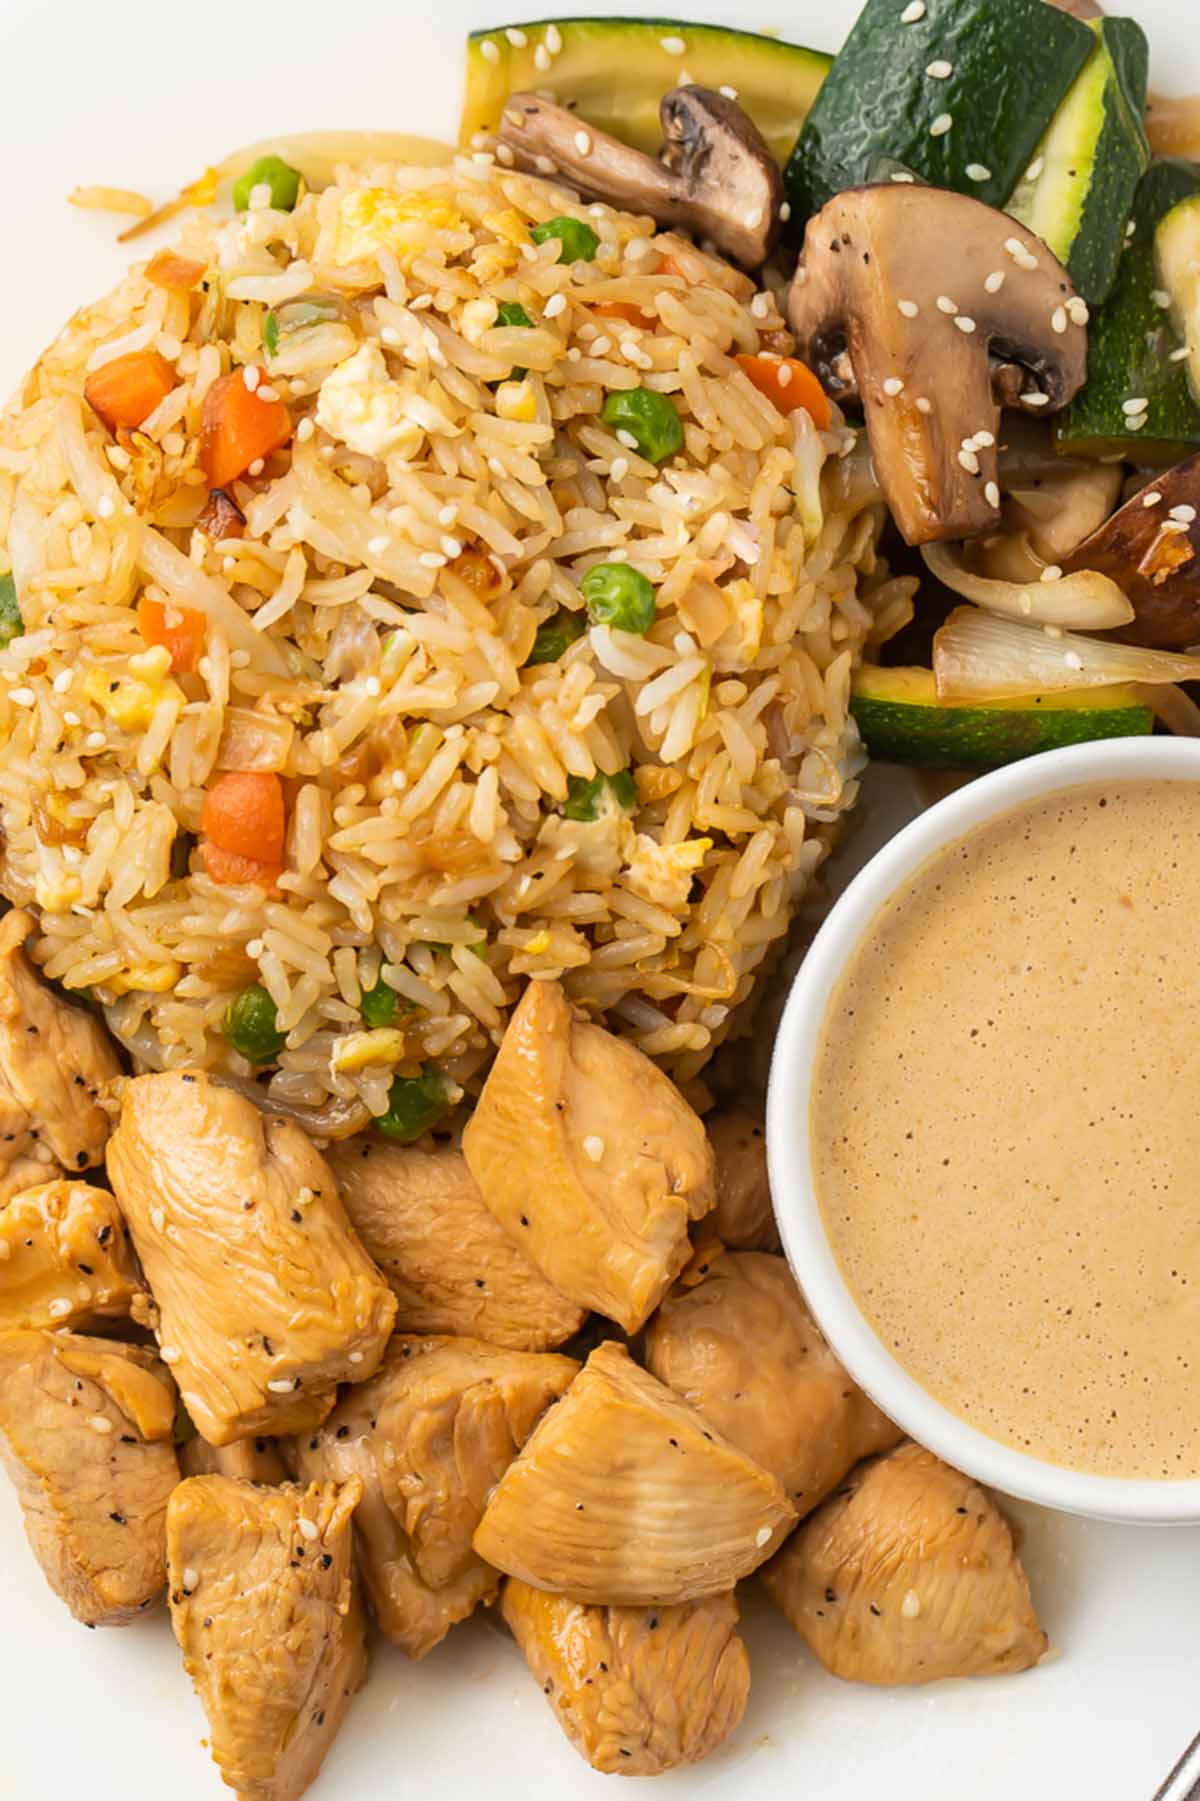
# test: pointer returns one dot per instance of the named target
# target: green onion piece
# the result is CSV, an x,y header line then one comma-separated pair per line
x,y
378,1005
649,418
618,595
251,1025
579,242
476,946
11,622
296,315
554,638
280,177
414,1104
511,312
589,800
271,333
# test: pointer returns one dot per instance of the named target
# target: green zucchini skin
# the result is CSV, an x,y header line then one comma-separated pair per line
x,y
1012,62
1130,341
983,737
1092,158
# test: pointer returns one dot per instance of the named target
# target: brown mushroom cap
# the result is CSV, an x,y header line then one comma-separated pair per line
x,y
716,178
924,289
1150,547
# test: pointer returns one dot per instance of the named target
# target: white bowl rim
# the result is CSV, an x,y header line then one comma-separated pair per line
x,y
999,1465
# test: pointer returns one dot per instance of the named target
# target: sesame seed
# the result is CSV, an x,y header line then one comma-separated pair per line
x,y
909,308
1035,168
304,430
946,305
902,175
763,1535
73,719
22,697
601,346
627,439
1077,310
941,125
583,143
556,304
106,506
964,323
1051,573
910,1607
991,494
377,546
432,560
251,375
373,686
158,1218
1072,659
355,1357
1033,398
1160,297
893,385
977,172
785,210
94,741
940,70
994,282
99,1424
923,405
516,38
541,58
256,467
673,46
593,1148
1178,356
729,93
1058,319
1137,421
58,1308
490,50
969,461
1137,405
544,165
1152,499
760,306
1185,514
448,514
308,1530
1015,248
553,39
191,1578
503,151
169,1353
452,547
913,11
618,469
283,1385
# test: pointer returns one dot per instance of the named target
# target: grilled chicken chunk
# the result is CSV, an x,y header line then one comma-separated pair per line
x,y
623,1495
590,1158
64,1257
431,1435
54,1060
637,1690
85,1434
27,1172
743,1218
908,1573
249,1460
744,1350
266,1611
451,1264
267,1299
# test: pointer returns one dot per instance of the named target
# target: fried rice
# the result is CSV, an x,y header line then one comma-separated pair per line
x,y
369,635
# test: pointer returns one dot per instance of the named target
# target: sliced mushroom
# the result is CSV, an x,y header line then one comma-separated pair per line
x,y
1149,547
923,288
715,177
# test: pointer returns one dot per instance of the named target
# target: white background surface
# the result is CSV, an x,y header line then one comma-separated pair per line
x,y
145,93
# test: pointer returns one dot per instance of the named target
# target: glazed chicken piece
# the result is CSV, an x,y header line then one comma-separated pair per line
x,y
451,1264
624,1496
85,1434
430,1436
637,1690
266,1298
265,1607
64,1257
28,1172
743,1217
249,1460
742,1348
54,1061
590,1158
907,1574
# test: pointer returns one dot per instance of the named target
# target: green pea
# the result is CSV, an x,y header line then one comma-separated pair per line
x,y
280,177
618,595
415,1103
650,419
11,622
378,1005
579,242
251,1025
590,800
299,314
555,637
511,312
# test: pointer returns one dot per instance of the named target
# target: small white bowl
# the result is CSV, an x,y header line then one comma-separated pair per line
x,y
788,1107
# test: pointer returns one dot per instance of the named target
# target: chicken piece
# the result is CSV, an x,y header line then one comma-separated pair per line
x,y
637,1690
64,1257
451,1264
743,1218
590,1158
431,1435
907,1574
249,1460
85,1434
624,1496
266,1298
266,1610
28,1172
742,1348
54,1061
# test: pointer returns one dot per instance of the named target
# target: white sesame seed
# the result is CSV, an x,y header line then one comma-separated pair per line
x,y
940,70
785,210
355,1357
62,681
1035,168
583,143
94,740
977,172
601,346
1152,499
516,38
1184,514
432,560
22,697
556,304
452,547
593,1148
991,494
618,469
946,305
504,151
544,165
893,385
57,1308
256,467
910,1607
994,282
1058,319
673,46
304,430
377,546
1033,398
553,39
99,1424
1077,310
1137,405
490,51
1072,659
191,1578
1137,421
729,93
913,11
251,375
1178,356
964,323
71,719
909,308
106,506
1168,525
923,405
447,514
763,1535
760,306
1160,297
969,461
627,439
169,1353
541,58
903,175
1015,248
158,1218
283,1385
1051,573
308,1529
941,125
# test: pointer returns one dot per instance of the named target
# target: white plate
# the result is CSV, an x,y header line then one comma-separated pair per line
x,y
144,93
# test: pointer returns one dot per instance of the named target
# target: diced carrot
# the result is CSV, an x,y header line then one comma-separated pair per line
x,y
788,383
127,390
169,270
226,867
182,630
622,309
243,813
238,425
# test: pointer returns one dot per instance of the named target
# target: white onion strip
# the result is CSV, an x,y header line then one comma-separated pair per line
x,y
978,656
1085,600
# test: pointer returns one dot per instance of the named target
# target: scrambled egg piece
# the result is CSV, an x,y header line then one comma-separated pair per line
x,y
359,1050
741,642
130,701
147,978
56,890
361,404
516,400
663,873
374,219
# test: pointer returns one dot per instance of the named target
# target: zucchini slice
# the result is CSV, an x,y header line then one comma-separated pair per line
x,y
1078,191
901,720
1131,341
614,72
1000,70
1177,259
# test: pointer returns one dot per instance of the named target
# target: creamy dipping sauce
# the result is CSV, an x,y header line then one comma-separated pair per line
x,y
1006,1127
